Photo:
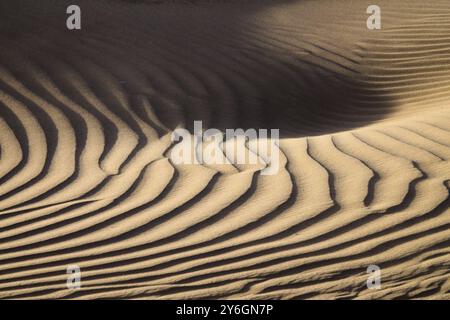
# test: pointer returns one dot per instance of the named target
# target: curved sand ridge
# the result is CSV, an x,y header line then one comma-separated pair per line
x,y
86,119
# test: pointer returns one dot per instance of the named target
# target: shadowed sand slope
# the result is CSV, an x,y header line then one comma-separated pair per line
x,y
86,119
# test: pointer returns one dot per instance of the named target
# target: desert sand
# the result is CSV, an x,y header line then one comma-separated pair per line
x,y
86,118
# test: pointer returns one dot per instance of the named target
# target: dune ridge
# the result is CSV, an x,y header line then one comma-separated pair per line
x,y
86,119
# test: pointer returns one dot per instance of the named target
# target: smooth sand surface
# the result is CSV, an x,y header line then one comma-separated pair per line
x,y
86,118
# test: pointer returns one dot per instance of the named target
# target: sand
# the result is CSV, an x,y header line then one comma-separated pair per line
x,y
86,179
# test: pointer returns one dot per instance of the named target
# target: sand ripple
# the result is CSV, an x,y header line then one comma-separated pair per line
x,y
85,176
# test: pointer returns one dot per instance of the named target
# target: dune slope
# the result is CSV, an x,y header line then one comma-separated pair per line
x,y
86,119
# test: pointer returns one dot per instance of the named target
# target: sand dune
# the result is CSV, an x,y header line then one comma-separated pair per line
x,y
86,179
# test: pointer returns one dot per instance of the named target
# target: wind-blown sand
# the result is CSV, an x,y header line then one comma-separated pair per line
x,y
86,118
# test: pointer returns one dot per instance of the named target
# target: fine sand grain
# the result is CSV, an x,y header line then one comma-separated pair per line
x,y
86,119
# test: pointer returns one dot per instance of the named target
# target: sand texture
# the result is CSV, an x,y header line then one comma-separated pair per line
x,y
86,118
